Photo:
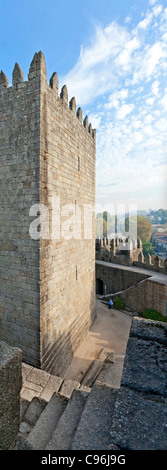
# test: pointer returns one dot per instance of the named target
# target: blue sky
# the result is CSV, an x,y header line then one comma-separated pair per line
x,y
112,55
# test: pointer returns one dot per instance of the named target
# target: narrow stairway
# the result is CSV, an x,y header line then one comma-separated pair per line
x,y
81,422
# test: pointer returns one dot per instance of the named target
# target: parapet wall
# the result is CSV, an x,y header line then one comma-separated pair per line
x,y
37,74
128,253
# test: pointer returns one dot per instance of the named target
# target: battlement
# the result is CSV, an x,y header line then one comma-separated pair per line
x,y
38,74
129,253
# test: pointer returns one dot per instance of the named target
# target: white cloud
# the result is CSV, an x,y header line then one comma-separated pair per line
x,y
155,87
146,22
152,2
124,110
150,101
157,10
94,72
120,74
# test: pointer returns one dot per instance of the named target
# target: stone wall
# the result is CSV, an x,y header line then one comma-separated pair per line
x,y
139,291
67,269
10,386
19,189
47,154
114,251
117,279
147,294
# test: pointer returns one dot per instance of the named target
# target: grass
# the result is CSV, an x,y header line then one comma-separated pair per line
x,y
153,315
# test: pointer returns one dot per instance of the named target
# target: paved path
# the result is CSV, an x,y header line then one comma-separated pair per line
x,y
107,338
109,334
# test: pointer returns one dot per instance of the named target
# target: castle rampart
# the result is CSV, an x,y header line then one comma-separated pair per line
x,y
128,253
47,285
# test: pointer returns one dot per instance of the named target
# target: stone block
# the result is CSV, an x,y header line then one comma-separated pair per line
x,y
67,387
64,433
138,423
10,386
145,367
34,410
52,386
93,431
149,330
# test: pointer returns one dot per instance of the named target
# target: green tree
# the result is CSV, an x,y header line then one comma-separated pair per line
x,y
143,228
110,221
148,248
100,226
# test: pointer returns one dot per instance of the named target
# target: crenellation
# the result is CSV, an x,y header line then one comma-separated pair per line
x,y
85,122
53,82
4,82
17,75
94,134
37,67
115,251
79,114
72,105
90,129
64,95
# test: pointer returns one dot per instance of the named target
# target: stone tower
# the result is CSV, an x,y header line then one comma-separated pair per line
x,y
47,157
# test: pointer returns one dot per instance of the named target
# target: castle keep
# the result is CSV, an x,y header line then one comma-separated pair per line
x,y
47,153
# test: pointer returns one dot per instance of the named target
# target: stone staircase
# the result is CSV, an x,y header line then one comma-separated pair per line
x,y
82,421
133,416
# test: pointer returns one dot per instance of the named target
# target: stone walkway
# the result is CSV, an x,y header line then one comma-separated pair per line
x,y
109,335
104,345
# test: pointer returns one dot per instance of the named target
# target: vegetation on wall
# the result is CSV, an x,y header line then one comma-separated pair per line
x,y
153,315
118,303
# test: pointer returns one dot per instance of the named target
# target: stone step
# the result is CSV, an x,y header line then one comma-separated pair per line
x,y
23,407
93,432
67,387
47,422
66,428
111,371
92,373
34,410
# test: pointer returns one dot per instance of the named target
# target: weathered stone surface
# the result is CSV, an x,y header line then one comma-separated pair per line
x,y
94,427
67,387
34,411
38,377
149,330
9,425
145,367
10,386
44,427
92,373
53,385
64,433
23,407
25,428
26,369
138,423
10,368
111,371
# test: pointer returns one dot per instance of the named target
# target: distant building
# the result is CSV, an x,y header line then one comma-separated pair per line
x,y
159,242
